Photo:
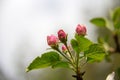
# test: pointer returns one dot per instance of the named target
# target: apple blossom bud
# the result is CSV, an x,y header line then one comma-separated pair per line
x,y
62,36
52,40
81,30
64,49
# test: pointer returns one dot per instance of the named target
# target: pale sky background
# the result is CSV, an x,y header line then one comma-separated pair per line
x,y
24,25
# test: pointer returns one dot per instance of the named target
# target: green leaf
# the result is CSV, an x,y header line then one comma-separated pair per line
x,y
117,27
100,22
51,56
95,53
103,40
116,15
75,46
116,19
83,42
47,59
61,64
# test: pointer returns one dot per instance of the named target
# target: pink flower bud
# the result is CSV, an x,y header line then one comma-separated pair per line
x,y
52,40
64,48
62,35
81,30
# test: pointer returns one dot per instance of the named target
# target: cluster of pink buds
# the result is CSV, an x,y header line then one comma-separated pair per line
x,y
62,36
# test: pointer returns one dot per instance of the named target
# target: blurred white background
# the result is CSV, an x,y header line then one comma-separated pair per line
x,y
24,25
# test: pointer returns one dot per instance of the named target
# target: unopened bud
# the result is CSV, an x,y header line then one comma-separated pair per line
x,y
81,30
62,36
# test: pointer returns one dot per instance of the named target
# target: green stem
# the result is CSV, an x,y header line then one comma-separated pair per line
x,y
84,64
67,59
77,63
63,55
69,52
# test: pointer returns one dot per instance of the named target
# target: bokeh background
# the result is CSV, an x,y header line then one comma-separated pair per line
x,y
24,25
